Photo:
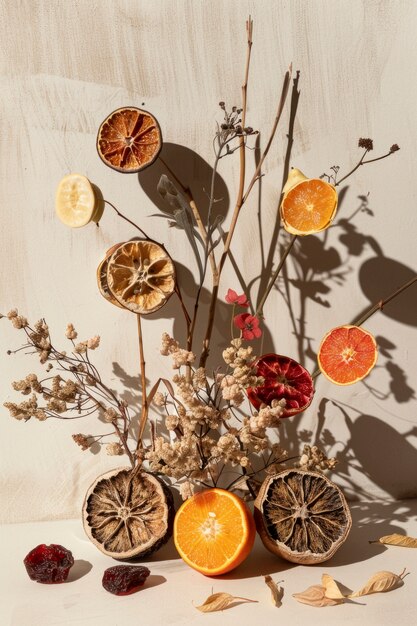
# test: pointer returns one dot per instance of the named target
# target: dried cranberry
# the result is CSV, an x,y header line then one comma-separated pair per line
x,y
49,564
124,579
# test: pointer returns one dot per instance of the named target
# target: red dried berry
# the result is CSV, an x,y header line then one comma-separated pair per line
x,y
124,579
49,564
284,379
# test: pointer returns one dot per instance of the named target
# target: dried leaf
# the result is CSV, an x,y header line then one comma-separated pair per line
x,y
331,588
397,540
381,582
276,592
315,596
220,601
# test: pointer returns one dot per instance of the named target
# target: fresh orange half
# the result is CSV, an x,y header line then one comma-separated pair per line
x,y
214,531
129,140
308,206
347,354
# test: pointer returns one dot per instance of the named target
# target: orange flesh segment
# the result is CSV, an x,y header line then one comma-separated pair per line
x,y
212,531
347,354
309,207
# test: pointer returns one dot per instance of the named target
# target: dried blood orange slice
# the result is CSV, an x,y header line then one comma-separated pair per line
x,y
302,516
141,276
214,531
347,354
102,277
128,514
284,379
309,204
129,140
75,202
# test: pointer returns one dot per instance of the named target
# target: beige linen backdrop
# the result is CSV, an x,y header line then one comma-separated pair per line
x,y
67,64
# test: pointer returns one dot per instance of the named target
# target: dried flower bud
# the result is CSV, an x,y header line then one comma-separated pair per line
x,y
368,144
71,333
114,449
82,441
11,314
110,415
394,147
159,399
93,343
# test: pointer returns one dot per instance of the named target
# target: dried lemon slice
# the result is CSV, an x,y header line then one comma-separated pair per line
x,y
128,514
141,276
302,516
75,202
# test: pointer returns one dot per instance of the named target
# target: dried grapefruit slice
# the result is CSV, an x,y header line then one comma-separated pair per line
x,y
128,514
214,531
102,277
75,202
284,379
302,516
129,140
141,276
347,354
309,204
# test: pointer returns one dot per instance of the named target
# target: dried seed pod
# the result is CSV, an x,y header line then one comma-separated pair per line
x,y
141,276
128,514
302,516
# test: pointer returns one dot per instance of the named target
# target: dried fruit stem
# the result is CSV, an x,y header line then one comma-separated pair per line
x,y
377,307
241,199
362,162
275,276
144,411
126,219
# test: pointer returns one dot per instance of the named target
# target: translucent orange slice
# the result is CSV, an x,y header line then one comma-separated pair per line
x,y
129,140
141,276
309,206
214,531
347,354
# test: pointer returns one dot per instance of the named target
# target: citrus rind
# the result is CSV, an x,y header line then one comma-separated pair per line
x,y
355,353
75,202
129,140
299,202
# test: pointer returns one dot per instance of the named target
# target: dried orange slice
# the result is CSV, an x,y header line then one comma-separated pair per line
x,y
141,276
347,354
75,202
129,140
309,204
214,531
102,277
128,514
302,516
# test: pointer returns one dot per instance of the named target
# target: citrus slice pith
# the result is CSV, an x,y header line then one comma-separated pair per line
x,y
284,379
129,140
102,278
347,354
75,202
308,207
128,514
141,276
302,516
214,531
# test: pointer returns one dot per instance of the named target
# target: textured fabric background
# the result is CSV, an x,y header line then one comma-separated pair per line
x,y
66,65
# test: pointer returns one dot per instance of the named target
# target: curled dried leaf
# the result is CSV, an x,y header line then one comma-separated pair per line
x,y
331,588
219,602
315,596
397,540
277,593
380,583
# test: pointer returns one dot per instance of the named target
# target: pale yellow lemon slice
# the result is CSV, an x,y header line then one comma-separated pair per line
x,y
75,202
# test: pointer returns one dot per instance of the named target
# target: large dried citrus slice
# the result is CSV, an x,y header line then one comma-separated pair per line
x,y
102,277
214,531
284,379
128,514
347,354
129,140
302,516
309,204
75,202
141,276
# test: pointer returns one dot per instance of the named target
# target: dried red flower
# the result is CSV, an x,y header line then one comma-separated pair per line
x,y
249,325
233,298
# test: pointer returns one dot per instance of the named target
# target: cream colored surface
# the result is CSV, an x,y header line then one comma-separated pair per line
x,y
66,65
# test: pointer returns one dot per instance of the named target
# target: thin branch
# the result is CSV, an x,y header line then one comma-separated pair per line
x,y
126,219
